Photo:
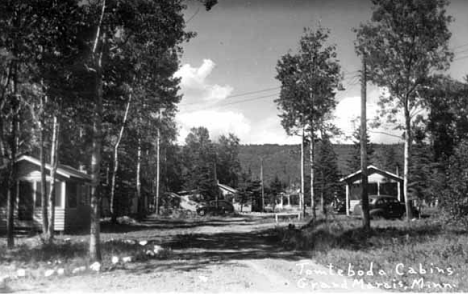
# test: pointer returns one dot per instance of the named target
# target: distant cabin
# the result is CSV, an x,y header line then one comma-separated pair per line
x,y
380,182
72,201
228,192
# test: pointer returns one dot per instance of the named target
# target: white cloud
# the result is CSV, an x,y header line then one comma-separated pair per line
x,y
195,85
270,131
217,122
199,94
348,112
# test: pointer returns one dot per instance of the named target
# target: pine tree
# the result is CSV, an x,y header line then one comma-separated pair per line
x,y
327,180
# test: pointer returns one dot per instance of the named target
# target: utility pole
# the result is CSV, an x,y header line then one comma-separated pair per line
x,y
312,139
261,178
364,179
158,162
302,206
312,157
216,179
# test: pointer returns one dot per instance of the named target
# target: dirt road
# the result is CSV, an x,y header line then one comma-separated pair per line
x,y
222,255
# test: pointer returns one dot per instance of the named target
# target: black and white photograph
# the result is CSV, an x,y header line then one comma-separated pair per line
x,y
233,146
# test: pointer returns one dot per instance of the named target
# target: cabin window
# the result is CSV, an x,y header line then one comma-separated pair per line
x,y
72,195
58,194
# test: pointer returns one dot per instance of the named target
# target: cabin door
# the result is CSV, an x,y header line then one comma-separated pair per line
x,y
25,201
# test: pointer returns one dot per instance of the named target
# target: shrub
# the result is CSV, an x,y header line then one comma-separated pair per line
x,y
454,200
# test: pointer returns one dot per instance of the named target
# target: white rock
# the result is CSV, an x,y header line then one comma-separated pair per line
x,y
115,259
203,279
158,249
21,272
76,270
49,272
143,243
82,268
127,259
4,280
95,266
60,271
150,253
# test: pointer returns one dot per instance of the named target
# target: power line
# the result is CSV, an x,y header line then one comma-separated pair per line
x,y
252,99
195,14
242,101
461,57
460,46
463,51
239,95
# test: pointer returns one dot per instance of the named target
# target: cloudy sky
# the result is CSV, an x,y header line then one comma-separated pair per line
x,y
228,70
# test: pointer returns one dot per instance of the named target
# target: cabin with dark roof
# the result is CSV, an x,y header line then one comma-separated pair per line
x,y
72,200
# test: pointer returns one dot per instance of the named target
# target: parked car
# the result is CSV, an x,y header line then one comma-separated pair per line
x,y
384,206
209,207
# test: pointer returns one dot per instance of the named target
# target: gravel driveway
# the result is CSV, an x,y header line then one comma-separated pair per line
x,y
218,255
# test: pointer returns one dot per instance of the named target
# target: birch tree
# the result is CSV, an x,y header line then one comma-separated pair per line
x,y
405,42
153,27
309,82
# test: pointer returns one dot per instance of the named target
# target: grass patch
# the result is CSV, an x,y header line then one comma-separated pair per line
x,y
421,256
33,258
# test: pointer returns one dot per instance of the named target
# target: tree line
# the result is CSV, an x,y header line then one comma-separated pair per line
x,y
91,84
404,49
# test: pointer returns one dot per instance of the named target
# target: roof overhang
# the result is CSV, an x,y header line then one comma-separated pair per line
x,y
227,188
371,170
62,169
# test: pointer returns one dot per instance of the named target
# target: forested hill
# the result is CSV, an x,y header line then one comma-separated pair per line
x,y
284,160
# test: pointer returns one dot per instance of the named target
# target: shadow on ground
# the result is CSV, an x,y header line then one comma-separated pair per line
x,y
194,251
171,224
193,244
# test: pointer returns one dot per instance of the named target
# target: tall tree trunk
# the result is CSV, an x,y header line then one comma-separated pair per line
x,y
116,162
94,242
407,155
158,176
11,182
364,176
303,207
45,217
312,173
53,172
322,191
11,194
2,147
138,180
